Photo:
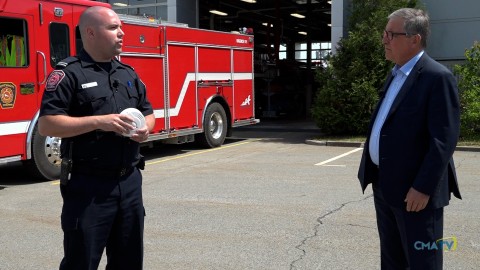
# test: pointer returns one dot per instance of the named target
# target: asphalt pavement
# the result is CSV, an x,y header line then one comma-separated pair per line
x,y
266,200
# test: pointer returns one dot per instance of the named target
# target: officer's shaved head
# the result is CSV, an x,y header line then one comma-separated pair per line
x,y
92,17
100,29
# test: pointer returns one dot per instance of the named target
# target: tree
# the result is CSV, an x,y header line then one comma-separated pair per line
x,y
469,91
348,87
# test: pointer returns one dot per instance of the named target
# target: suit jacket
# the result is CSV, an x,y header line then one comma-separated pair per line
x,y
418,138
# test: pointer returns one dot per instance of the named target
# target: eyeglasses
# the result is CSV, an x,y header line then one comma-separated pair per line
x,y
390,35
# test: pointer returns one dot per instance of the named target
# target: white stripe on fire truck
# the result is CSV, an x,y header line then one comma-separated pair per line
x,y
22,127
190,77
14,128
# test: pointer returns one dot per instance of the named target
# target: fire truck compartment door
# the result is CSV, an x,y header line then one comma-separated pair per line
x,y
18,90
182,92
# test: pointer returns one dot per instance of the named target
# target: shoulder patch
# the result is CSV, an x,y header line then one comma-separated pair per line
x,y
54,79
67,61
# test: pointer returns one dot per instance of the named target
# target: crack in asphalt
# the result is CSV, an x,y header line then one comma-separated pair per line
x,y
317,226
459,163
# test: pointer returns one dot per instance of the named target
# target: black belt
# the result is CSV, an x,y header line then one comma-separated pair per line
x,y
88,170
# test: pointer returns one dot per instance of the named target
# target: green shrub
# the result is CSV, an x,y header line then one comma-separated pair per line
x,y
348,87
469,91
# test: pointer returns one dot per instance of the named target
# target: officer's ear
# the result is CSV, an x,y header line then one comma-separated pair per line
x,y
90,32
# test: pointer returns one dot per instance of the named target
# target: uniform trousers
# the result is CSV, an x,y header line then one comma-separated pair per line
x,y
407,239
103,213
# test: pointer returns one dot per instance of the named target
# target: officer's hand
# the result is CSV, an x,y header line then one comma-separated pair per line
x,y
141,134
118,123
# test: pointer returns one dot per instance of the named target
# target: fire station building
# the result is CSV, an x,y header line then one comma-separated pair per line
x,y
293,37
455,24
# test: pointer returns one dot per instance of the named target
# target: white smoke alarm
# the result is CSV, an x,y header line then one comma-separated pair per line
x,y
138,120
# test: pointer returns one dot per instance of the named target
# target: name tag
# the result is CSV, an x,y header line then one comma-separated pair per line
x,y
90,84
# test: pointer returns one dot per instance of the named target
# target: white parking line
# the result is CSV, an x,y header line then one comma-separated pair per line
x,y
337,157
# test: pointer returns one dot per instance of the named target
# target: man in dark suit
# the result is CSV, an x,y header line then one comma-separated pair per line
x,y
410,143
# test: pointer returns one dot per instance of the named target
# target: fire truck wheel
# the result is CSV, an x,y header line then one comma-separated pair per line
x,y
214,126
46,160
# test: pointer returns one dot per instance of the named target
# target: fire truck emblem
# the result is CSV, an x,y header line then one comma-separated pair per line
x,y
246,101
54,79
8,92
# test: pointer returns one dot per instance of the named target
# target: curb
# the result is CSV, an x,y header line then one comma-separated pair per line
x,y
335,143
468,148
361,144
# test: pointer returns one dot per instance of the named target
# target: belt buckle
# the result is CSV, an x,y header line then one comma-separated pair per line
x,y
123,171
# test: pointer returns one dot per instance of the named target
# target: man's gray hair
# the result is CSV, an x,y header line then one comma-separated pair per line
x,y
416,22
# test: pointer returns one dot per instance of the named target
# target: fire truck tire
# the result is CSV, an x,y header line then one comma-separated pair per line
x,y
214,126
45,162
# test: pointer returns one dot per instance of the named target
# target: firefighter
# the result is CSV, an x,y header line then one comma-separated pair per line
x,y
101,184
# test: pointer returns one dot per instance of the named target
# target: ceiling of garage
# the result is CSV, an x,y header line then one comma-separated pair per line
x,y
277,12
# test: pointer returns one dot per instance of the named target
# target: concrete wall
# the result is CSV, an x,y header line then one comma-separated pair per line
x,y
339,21
455,25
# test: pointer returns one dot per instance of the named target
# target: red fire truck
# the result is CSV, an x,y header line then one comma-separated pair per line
x,y
200,82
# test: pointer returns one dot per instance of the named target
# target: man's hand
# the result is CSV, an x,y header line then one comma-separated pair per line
x,y
118,123
140,134
416,201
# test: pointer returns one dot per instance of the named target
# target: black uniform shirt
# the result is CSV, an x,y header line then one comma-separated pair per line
x,y
80,87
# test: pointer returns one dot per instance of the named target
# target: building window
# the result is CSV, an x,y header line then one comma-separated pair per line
x,y
156,9
320,52
282,52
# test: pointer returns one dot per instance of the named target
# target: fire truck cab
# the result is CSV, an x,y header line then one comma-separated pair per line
x,y
200,82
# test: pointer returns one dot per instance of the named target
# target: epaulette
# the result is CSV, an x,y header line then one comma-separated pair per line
x,y
65,62
123,64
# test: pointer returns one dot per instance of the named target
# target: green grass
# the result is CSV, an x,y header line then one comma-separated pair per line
x,y
464,141
473,140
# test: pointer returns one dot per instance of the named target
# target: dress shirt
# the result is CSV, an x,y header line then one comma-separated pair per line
x,y
399,74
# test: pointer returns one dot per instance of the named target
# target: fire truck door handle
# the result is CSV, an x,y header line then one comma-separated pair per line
x,y
44,67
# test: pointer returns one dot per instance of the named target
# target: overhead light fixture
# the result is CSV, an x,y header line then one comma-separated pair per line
x,y
217,12
330,2
266,24
330,25
297,15
250,1
302,33
120,4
